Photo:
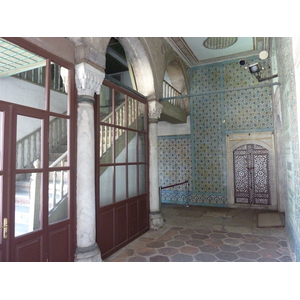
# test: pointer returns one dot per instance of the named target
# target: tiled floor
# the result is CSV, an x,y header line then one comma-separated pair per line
x,y
207,234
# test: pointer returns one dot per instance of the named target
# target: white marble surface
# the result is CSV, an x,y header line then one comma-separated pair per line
x,y
86,223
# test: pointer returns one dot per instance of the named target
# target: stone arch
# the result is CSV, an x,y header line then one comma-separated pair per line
x,y
141,66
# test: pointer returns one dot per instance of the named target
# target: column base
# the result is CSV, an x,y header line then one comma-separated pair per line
x,y
88,254
156,220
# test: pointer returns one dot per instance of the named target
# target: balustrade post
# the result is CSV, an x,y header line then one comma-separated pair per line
x,y
35,193
156,220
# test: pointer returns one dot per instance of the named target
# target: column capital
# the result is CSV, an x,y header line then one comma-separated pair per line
x,y
154,109
88,79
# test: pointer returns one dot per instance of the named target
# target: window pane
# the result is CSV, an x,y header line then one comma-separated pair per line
x,y
58,142
132,104
28,203
106,105
132,146
106,144
120,148
58,205
120,183
120,110
142,147
132,181
22,76
141,117
106,185
28,142
58,95
142,179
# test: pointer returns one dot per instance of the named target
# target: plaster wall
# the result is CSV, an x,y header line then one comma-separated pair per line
x,y
289,103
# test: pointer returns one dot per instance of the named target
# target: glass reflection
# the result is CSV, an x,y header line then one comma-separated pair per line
x,y
28,203
106,185
58,195
120,188
106,105
142,179
58,142
28,146
141,116
22,76
58,94
132,181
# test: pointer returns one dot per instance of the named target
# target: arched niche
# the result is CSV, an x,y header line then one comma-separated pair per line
x,y
176,78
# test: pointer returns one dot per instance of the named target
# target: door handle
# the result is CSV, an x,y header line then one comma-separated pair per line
x,y
5,228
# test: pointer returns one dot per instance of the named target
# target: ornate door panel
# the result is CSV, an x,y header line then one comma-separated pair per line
x,y
251,175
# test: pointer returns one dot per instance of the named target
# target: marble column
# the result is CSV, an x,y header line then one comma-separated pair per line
x,y
88,82
156,220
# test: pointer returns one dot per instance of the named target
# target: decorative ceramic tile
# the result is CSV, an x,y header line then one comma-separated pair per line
x,y
214,112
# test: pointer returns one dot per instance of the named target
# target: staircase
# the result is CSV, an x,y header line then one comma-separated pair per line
x,y
29,184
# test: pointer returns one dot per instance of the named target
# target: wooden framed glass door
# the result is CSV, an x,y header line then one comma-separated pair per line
x,y
122,169
37,168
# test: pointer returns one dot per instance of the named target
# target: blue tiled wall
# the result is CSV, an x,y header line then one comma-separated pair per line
x,y
214,113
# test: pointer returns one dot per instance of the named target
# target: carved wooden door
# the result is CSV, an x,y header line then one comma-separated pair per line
x,y
251,175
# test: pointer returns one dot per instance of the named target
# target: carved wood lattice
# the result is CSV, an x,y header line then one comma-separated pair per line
x,y
251,175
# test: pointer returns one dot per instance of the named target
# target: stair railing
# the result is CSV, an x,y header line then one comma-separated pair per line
x,y
29,147
106,132
58,182
173,185
170,91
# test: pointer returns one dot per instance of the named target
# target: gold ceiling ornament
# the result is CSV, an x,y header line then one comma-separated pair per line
x,y
216,43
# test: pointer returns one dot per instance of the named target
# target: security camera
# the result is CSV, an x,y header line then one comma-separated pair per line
x,y
242,62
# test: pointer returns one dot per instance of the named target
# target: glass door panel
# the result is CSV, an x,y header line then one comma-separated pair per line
x,y
120,112
142,179
106,185
132,181
58,142
142,147
120,145
106,105
58,96
28,143
58,205
141,125
120,186
106,144
132,105
132,146
28,193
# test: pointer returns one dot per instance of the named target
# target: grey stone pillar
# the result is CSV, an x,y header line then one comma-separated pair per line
x,y
156,220
88,82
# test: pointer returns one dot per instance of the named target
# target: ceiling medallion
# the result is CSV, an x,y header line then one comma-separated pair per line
x,y
216,43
